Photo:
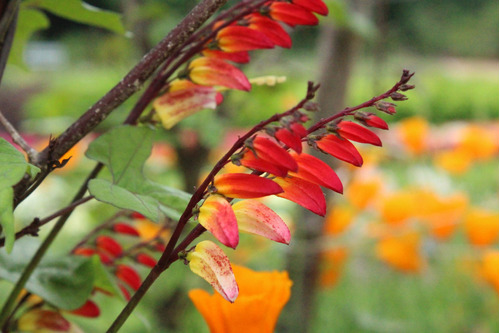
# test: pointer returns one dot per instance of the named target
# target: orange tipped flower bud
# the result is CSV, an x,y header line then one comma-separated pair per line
x,y
358,133
274,153
340,148
316,6
318,172
209,262
272,29
128,275
236,38
304,193
369,119
89,309
217,216
253,162
289,138
126,229
145,259
238,57
109,245
245,186
216,72
256,218
291,14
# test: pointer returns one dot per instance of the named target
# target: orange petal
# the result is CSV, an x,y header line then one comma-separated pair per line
x,y
340,148
176,105
292,14
401,252
216,72
209,262
274,153
245,186
481,226
217,216
358,133
237,38
304,193
316,171
256,218
272,29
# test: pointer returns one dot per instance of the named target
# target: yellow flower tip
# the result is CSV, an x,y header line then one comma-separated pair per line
x,y
262,297
209,262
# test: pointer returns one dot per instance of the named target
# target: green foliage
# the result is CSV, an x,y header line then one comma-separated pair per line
x,y
64,282
13,168
124,151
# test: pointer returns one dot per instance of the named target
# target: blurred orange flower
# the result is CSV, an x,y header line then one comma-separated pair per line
x,y
480,142
361,192
401,252
481,226
338,220
398,207
455,161
413,133
261,298
332,264
489,268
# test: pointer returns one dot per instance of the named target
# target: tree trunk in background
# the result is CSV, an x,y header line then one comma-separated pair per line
x,y
337,52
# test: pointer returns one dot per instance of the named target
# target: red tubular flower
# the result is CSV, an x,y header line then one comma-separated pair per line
x,y
304,193
340,148
358,133
129,276
126,229
245,186
299,129
274,153
145,259
369,119
318,172
237,57
253,162
109,245
316,6
289,138
217,216
89,309
84,251
272,29
237,38
291,14
216,72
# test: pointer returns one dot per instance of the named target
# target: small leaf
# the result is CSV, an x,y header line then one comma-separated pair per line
x,y
79,11
120,197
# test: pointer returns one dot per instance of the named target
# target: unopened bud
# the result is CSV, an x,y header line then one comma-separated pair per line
x,y
398,96
406,76
311,106
387,107
370,119
406,87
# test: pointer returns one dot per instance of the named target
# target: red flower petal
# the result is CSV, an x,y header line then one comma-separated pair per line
x,y
304,193
256,218
128,275
272,29
292,14
217,216
126,229
369,119
299,129
318,172
253,162
109,245
289,138
340,148
89,309
316,6
358,133
216,72
145,259
245,186
84,251
237,38
274,153
238,57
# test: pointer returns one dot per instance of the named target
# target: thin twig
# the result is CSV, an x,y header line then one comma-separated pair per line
x,y
18,139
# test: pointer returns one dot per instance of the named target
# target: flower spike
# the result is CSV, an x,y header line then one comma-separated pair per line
x,y
217,216
245,186
340,148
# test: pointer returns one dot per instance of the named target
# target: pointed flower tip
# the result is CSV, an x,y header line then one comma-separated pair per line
x,y
209,262
89,310
358,133
209,71
303,193
292,14
245,186
274,153
318,172
256,218
235,38
340,148
217,216
109,245
128,275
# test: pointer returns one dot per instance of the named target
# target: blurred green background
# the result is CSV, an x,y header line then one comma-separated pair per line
x,y
362,46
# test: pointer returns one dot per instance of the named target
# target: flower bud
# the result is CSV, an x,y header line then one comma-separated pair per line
x,y
387,107
398,96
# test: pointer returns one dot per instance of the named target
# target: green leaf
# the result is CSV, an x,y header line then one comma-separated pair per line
x,y
103,279
79,11
64,282
13,165
28,22
173,201
120,197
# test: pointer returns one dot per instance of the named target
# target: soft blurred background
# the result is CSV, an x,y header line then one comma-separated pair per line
x,y
411,246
